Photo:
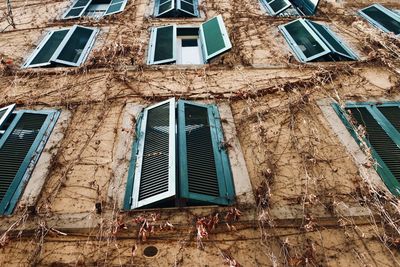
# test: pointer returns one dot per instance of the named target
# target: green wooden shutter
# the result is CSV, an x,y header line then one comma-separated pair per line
x,y
382,18
188,7
162,45
116,6
204,171
20,148
214,37
330,39
384,141
162,7
155,170
46,49
77,9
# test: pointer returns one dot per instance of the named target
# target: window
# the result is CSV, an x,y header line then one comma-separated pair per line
x,y
23,135
311,41
381,122
382,18
68,46
94,8
291,7
176,8
188,45
179,158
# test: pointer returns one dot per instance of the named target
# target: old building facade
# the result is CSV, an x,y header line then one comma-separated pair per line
x,y
305,191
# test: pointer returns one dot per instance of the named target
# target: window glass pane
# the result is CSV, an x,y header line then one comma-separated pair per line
x,y
379,140
164,43
213,36
278,5
75,45
202,173
330,39
382,18
306,42
49,48
74,12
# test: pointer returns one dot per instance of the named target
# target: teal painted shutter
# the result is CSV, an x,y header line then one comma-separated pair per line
x,y
214,37
162,48
384,141
307,7
188,7
77,9
155,170
20,148
204,171
330,39
162,7
116,6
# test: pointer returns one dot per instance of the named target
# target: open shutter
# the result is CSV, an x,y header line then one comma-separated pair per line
x,y
382,18
205,175
155,170
77,9
163,6
162,45
384,140
46,49
20,148
75,47
4,114
331,40
188,7
214,37
275,7
115,7
307,7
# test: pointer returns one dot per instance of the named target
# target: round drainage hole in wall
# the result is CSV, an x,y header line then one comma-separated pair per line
x,y
150,251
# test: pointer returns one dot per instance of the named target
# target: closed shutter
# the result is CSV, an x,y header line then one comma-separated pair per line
x,y
20,147
204,172
155,172
162,45
214,37
77,9
162,7
385,149
188,7
116,6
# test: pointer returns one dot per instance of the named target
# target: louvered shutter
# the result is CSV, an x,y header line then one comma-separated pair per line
x,y
116,6
188,7
385,148
155,170
77,9
162,45
214,37
162,7
204,172
20,148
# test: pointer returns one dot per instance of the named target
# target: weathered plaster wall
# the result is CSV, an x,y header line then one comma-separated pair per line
x,y
314,208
